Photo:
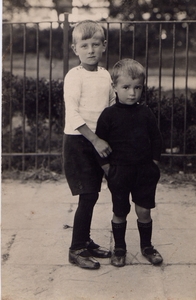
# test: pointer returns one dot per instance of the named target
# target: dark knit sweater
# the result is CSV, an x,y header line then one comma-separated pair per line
x,y
132,133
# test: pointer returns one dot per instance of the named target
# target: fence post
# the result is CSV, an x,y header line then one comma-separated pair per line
x,y
65,44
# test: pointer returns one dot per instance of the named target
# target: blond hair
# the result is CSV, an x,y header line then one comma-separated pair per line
x,y
86,29
128,67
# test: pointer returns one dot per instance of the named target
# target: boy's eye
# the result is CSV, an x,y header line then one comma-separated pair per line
x,y
138,87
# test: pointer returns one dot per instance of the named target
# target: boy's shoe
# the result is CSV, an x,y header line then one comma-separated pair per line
x,y
152,255
97,251
86,261
118,257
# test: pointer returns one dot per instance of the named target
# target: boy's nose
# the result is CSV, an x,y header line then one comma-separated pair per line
x,y
131,91
90,49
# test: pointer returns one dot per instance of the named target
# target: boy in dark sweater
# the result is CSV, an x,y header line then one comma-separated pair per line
x,y
132,167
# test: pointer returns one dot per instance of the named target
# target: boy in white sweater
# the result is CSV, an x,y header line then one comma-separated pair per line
x,y
87,92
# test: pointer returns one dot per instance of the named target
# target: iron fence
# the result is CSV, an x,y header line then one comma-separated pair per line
x,y
43,50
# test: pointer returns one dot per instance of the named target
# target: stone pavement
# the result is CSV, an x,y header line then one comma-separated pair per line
x,y
36,234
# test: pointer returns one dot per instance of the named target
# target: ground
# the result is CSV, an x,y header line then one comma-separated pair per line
x,y
37,218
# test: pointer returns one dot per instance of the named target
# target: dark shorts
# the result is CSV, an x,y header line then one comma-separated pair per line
x,y
140,181
82,171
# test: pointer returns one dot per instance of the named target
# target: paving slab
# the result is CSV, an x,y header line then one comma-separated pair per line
x,y
37,223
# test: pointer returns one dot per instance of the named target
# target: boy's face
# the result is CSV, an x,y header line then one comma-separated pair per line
x,y
129,90
90,51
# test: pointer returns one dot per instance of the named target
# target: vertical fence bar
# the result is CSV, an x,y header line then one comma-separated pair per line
x,y
173,90
37,94
10,95
120,42
65,44
146,60
24,97
186,89
50,94
160,69
133,44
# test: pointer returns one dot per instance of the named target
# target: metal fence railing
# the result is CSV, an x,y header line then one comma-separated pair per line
x,y
36,57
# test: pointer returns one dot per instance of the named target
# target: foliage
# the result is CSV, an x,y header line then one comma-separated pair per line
x,y
43,112
172,119
157,9
44,120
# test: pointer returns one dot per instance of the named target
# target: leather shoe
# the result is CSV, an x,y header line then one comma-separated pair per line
x,y
152,255
100,252
118,257
97,251
86,262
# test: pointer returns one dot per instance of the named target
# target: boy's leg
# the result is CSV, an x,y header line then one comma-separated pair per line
x,y
143,195
118,183
119,231
78,253
82,220
119,254
82,248
144,224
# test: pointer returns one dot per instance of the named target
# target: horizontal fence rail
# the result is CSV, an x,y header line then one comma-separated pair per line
x,y
37,56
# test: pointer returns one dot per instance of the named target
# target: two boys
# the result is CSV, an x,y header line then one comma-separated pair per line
x,y
127,143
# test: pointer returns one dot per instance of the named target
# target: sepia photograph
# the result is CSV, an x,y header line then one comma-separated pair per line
x,y
98,107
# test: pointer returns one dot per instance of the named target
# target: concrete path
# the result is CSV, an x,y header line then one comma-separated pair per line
x,y
36,234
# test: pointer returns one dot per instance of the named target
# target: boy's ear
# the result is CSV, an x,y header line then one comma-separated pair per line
x,y
74,49
114,86
104,45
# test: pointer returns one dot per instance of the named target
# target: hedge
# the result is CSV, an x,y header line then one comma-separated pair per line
x,y
13,87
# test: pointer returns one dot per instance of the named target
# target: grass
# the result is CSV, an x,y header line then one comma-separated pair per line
x,y
43,174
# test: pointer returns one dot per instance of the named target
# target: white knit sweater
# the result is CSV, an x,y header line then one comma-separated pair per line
x,y
86,95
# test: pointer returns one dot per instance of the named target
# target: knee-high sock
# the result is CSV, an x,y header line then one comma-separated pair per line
x,y
82,221
145,232
119,231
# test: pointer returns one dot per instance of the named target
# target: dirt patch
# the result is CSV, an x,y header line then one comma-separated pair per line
x,y
175,178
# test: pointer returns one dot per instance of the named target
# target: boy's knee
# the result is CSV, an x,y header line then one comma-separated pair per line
x,y
88,198
119,219
143,214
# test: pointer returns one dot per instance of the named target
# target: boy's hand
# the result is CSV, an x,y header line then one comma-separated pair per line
x,y
102,147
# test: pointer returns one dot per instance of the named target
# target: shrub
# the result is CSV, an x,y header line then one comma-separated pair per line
x,y
44,119
43,133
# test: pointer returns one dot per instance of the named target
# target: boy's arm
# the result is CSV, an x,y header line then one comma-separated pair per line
x,y
101,146
102,133
72,92
156,139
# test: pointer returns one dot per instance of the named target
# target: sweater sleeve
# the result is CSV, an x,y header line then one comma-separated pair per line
x,y
112,99
102,131
72,91
155,136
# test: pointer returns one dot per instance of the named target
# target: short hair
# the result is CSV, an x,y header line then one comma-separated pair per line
x,y
128,67
86,29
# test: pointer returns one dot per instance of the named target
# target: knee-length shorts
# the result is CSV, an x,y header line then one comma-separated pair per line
x,y
82,171
140,181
